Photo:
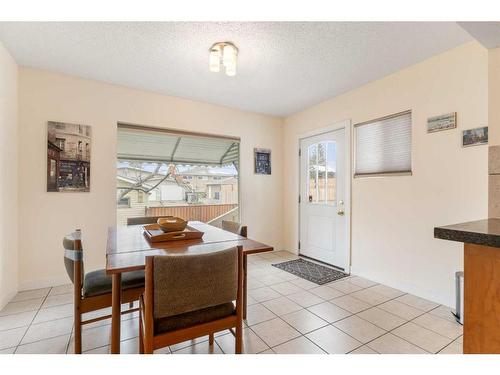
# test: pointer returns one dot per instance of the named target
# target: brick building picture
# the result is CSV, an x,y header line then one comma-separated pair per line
x,y
68,157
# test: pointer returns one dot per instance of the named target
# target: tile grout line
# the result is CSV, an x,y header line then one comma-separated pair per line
x,y
304,308
32,320
391,331
355,314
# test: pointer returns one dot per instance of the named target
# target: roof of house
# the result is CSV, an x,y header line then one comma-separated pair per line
x,y
226,181
145,186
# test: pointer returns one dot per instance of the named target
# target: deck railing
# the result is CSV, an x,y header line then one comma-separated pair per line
x,y
202,213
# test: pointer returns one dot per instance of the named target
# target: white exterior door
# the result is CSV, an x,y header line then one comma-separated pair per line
x,y
322,199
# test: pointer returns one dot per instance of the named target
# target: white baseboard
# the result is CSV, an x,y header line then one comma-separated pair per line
x,y
6,298
43,283
404,287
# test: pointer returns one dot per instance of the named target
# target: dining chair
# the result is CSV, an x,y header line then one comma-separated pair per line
x,y
191,295
92,291
242,230
235,227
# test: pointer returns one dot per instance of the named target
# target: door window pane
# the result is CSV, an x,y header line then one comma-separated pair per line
x,y
322,176
331,169
312,184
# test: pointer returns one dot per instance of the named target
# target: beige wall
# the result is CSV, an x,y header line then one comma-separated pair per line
x,y
8,177
393,217
46,217
494,132
494,96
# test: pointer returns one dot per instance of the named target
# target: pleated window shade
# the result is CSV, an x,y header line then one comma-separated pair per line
x,y
383,146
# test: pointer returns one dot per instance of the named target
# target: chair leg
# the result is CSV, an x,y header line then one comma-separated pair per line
x,y
239,338
78,331
211,339
141,338
148,347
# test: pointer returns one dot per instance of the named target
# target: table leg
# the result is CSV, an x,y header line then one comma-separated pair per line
x,y
116,312
244,286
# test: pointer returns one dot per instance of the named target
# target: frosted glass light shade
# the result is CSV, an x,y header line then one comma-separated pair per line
x,y
223,54
229,55
231,69
214,59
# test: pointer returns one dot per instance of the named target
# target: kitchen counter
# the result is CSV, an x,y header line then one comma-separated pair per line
x,y
480,232
481,240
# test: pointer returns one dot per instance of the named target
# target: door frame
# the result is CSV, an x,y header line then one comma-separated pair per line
x,y
347,126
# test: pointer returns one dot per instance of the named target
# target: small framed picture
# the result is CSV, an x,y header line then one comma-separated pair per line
x,y
475,137
262,161
442,122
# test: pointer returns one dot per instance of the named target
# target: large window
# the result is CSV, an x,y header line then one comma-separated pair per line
x,y
161,173
383,146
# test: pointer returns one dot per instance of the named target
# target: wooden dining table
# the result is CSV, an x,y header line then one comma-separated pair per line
x,y
128,247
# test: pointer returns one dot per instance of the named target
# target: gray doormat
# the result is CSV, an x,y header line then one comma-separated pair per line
x,y
310,271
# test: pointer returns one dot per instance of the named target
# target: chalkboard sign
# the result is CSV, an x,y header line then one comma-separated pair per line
x,y
262,161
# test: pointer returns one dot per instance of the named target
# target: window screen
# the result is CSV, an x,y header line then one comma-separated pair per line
x,y
383,145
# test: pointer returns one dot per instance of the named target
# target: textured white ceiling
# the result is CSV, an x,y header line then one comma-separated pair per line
x,y
283,67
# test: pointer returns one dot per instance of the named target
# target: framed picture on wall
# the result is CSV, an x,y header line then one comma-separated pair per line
x,y
68,156
475,137
262,161
442,122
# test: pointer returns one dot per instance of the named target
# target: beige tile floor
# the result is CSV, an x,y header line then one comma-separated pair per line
x,y
286,314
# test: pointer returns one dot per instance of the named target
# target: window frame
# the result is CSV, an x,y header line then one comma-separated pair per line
x,y
193,178
325,201
120,205
382,174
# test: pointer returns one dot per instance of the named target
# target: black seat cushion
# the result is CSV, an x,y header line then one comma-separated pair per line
x,y
97,282
192,318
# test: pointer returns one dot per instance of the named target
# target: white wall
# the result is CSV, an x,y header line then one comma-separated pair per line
x,y
45,96
393,217
8,177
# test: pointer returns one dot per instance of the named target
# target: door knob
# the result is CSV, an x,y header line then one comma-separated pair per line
x,y
310,198
340,213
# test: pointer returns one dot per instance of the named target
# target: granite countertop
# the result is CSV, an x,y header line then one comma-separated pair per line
x,y
480,232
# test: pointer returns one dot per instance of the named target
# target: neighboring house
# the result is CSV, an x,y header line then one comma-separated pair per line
x,y
200,177
223,191
134,203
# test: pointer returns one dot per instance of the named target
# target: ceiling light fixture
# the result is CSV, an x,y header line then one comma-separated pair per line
x,y
223,54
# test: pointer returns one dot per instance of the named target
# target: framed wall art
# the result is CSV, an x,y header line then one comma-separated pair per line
x,y
475,137
442,122
262,161
68,156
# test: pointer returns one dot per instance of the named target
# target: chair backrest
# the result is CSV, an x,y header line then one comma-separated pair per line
x,y
185,283
142,220
234,227
73,253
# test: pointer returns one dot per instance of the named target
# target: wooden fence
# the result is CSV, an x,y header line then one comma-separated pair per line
x,y
202,213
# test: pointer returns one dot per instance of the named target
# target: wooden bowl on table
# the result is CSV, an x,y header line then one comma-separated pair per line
x,y
172,224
